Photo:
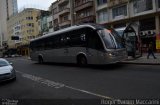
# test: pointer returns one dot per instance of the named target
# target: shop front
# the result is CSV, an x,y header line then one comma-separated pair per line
x,y
23,50
147,33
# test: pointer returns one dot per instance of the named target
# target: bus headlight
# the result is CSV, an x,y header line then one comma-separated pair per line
x,y
111,54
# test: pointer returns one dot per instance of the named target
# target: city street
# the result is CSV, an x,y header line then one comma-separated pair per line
x,y
68,81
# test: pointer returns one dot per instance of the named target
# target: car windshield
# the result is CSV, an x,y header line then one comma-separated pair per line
x,y
3,63
111,39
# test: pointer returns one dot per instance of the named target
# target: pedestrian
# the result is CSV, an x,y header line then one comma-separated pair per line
x,y
150,51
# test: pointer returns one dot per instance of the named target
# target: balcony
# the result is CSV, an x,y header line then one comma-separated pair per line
x,y
68,22
83,5
112,3
88,19
66,10
62,1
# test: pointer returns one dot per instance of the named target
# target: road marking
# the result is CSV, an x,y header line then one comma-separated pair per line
x,y
88,92
42,80
58,85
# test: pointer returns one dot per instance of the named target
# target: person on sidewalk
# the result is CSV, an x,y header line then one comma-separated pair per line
x,y
150,51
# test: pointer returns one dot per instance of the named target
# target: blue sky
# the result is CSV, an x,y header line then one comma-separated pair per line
x,y
40,4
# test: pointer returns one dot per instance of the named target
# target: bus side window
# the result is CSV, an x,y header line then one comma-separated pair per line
x,y
65,40
32,46
94,40
78,38
42,45
55,41
47,44
38,45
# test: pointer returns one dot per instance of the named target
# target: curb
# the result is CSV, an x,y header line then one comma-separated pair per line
x,y
139,63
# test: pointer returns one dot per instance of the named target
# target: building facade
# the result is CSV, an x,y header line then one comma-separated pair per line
x,y
43,22
50,24
61,13
66,13
143,14
7,9
84,11
25,26
12,7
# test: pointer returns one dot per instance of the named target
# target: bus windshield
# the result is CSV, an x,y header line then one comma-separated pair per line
x,y
111,39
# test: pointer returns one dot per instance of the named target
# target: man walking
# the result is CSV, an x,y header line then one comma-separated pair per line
x,y
150,51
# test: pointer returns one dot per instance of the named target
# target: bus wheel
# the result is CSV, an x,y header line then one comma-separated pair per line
x,y
40,60
82,61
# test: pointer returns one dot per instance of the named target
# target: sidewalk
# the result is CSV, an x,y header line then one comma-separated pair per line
x,y
143,60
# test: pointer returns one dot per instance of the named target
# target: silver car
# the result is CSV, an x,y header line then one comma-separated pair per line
x,y
7,72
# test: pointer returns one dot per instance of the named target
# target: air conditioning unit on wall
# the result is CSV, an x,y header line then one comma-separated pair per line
x,y
148,32
152,32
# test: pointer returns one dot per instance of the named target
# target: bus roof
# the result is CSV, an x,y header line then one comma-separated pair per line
x,y
93,26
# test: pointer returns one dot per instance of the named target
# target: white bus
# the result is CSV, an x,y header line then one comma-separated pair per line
x,y
82,44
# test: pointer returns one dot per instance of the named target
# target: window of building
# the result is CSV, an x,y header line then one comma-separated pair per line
x,y
30,24
63,7
142,5
50,24
85,13
101,2
30,31
77,2
102,16
65,18
31,18
84,1
54,10
119,11
56,21
30,37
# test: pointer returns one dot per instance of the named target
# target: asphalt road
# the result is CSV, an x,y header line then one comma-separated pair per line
x,y
68,81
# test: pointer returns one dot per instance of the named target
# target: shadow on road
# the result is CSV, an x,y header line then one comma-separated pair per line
x,y
4,83
95,67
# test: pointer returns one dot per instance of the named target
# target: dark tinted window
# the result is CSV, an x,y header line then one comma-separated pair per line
x,y
94,40
77,38
52,42
64,40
